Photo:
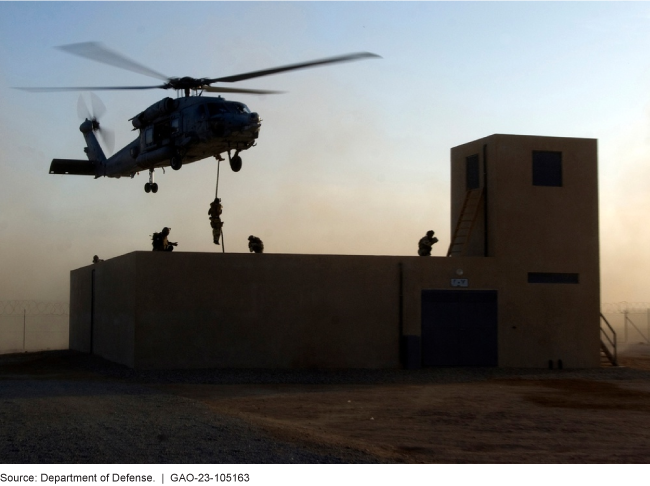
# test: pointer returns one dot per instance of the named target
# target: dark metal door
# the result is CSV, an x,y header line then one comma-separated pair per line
x,y
459,328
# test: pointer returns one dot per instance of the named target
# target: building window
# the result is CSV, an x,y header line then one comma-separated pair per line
x,y
553,278
547,168
471,172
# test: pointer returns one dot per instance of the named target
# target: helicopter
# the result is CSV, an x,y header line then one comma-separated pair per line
x,y
172,132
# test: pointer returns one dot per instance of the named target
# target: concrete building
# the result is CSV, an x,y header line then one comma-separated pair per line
x,y
519,288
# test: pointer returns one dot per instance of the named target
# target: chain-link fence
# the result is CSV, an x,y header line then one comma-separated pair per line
x,y
30,325
631,321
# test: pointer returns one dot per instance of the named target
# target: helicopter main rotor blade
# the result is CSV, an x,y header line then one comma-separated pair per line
x,y
215,89
89,88
96,51
292,67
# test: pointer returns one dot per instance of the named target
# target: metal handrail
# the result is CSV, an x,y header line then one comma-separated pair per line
x,y
613,357
627,319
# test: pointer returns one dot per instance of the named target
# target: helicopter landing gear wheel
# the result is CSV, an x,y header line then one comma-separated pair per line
x,y
177,162
236,163
151,186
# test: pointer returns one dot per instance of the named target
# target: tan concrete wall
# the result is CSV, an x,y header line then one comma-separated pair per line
x,y
80,306
194,310
540,229
201,310
551,228
277,311
543,226
542,322
114,309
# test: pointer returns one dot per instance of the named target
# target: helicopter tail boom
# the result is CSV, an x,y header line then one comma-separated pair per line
x,y
72,167
93,149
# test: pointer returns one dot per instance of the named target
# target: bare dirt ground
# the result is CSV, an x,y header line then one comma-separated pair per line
x,y
512,420
434,416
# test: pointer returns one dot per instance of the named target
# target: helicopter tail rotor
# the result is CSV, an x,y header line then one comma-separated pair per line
x,y
98,110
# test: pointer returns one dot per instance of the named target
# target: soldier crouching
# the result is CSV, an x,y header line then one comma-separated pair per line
x,y
426,244
160,241
255,244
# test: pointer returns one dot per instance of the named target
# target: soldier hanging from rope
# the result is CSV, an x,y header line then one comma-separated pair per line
x,y
215,219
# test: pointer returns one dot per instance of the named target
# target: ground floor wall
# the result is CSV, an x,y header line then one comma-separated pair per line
x,y
151,310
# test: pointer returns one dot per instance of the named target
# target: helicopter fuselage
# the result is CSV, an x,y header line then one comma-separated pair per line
x,y
174,132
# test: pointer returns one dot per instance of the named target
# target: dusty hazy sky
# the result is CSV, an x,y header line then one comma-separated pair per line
x,y
353,159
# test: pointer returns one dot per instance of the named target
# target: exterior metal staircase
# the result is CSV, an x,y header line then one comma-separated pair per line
x,y
466,221
607,343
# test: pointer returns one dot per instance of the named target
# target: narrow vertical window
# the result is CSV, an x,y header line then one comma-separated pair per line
x,y
547,168
471,172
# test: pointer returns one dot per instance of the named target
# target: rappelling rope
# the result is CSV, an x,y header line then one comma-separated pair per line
x,y
216,194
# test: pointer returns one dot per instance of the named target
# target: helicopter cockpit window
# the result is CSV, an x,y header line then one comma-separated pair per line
x,y
201,111
241,108
216,109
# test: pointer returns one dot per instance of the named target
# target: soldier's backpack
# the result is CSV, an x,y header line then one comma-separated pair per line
x,y
157,241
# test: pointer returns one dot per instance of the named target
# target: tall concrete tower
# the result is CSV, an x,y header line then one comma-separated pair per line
x,y
531,203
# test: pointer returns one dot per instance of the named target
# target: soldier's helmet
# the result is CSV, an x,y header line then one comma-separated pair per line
x,y
430,233
250,237
166,230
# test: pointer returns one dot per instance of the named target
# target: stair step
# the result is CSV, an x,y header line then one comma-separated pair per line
x,y
466,220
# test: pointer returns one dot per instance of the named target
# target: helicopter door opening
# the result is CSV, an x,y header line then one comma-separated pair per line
x,y
159,134
162,132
